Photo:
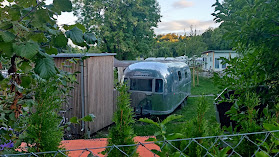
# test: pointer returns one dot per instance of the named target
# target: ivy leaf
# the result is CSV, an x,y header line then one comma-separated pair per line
x,y
25,67
20,30
7,36
45,67
39,37
149,121
26,81
80,44
60,41
78,25
171,118
63,5
74,120
1,77
51,51
6,25
41,17
90,155
270,127
14,12
261,154
6,49
27,3
90,38
75,35
174,136
88,118
27,50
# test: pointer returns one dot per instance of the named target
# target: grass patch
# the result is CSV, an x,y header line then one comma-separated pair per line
x,y
143,129
188,112
205,87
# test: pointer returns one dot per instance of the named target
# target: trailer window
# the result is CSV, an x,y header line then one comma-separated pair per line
x,y
159,85
125,80
179,76
141,84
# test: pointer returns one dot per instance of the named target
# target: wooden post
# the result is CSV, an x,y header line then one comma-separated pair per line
x,y
198,82
193,76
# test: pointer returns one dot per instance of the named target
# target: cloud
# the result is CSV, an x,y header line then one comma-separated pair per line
x,y
182,4
178,26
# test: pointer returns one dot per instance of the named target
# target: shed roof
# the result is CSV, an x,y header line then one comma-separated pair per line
x,y
219,51
78,55
125,63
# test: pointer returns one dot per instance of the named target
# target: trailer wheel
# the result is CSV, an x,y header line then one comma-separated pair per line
x,y
184,103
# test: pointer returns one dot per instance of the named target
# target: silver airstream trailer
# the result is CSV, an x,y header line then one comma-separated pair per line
x,y
158,87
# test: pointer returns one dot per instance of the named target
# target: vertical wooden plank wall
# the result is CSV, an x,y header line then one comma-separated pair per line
x,y
99,91
74,101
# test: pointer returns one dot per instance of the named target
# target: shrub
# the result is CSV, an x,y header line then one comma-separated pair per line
x,y
122,133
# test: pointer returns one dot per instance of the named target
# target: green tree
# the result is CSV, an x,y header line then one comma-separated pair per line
x,y
215,40
122,133
171,45
125,27
195,46
253,28
42,119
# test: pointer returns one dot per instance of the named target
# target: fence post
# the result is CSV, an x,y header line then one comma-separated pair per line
x,y
193,76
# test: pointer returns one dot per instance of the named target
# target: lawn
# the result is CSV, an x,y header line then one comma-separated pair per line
x,y
206,86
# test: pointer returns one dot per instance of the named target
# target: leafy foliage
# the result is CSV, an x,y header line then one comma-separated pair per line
x,y
162,135
122,133
124,27
200,127
42,129
30,32
28,35
252,26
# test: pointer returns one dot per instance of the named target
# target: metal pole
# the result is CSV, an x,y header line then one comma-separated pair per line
x,y
82,93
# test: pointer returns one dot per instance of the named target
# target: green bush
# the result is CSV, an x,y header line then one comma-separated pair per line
x,y
122,133
200,127
42,132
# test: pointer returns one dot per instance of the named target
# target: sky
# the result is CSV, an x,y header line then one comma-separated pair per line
x,y
177,16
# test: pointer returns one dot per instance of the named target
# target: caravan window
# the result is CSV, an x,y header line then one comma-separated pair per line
x,y
223,64
179,76
141,84
125,80
159,85
216,63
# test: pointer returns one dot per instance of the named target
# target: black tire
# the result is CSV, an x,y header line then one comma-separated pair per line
x,y
183,104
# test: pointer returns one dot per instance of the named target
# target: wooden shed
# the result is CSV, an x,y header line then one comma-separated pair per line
x,y
94,91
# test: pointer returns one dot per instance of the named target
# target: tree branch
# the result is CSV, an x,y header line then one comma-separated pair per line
x,y
30,11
